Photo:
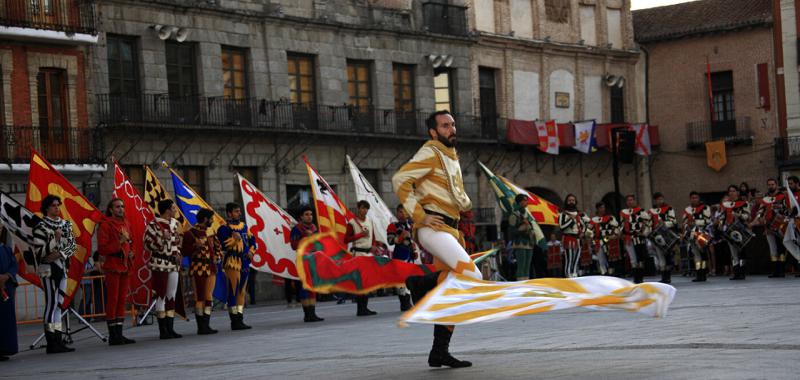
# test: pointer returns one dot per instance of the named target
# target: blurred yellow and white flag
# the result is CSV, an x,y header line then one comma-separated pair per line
x,y
461,300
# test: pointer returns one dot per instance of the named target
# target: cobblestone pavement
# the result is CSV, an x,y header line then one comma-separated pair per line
x,y
717,330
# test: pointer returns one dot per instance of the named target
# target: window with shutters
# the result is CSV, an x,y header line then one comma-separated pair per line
x,y
302,84
359,84
181,69
443,90
234,76
403,87
123,73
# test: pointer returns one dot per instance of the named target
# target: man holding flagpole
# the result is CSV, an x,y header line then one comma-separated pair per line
x,y
431,188
361,235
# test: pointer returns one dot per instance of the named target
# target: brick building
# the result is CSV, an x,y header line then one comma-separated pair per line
x,y
710,76
43,102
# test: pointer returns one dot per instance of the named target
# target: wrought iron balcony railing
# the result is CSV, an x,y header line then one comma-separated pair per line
x,y
69,16
484,215
59,146
732,131
261,114
787,150
445,19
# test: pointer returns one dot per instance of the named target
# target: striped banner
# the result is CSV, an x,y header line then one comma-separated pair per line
x,y
461,300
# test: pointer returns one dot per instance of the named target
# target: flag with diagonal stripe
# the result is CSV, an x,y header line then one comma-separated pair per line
x,y
462,300
506,192
332,215
44,180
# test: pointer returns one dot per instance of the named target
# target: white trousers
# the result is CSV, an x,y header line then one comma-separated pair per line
x,y
172,288
602,259
446,248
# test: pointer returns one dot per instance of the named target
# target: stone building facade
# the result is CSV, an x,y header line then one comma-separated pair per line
x,y
696,53
529,52
219,87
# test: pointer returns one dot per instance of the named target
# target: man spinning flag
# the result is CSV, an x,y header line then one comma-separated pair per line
x,y
451,292
431,189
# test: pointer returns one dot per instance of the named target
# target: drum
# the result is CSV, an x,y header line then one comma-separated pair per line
x,y
586,253
779,224
664,237
702,239
738,234
614,253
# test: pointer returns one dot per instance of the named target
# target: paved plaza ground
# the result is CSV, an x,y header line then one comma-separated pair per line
x,y
717,330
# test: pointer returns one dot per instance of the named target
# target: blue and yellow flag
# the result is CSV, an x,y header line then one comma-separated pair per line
x,y
189,202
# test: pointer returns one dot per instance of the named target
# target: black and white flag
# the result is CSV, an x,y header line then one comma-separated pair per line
x,y
20,223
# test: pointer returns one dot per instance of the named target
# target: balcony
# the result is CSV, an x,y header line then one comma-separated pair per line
x,y
71,146
732,131
66,21
787,151
445,19
484,215
217,113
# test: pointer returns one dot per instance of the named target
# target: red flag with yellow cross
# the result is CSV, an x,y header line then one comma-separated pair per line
x,y
45,180
332,215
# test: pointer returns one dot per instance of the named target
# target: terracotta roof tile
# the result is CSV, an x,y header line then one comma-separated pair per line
x,y
699,17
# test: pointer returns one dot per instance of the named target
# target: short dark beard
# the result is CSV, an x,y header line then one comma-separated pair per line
x,y
446,141
571,206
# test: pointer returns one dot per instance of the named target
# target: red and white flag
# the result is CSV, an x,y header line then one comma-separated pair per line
x,y
548,136
138,215
642,139
332,215
271,226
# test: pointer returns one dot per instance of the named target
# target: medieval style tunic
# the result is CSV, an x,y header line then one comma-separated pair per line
x,y
8,319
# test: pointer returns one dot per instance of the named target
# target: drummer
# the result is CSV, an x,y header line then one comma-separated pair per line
x,y
662,216
771,215
792,240
606,229
737,216
696,218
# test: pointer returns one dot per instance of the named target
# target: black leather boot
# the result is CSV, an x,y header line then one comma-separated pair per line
x,y
775,270
440,352
113,338
207,319
53,347
59,336
237,322
735,271
638,275
363,311
170,326
120,322
419,286
162,329
405,302
666,276
203,327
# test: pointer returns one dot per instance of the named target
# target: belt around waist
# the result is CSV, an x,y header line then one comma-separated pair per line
x,y
163,257
446,219
365,250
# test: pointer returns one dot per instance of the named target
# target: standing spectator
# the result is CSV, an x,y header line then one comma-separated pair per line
x,y
8,285
521,231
